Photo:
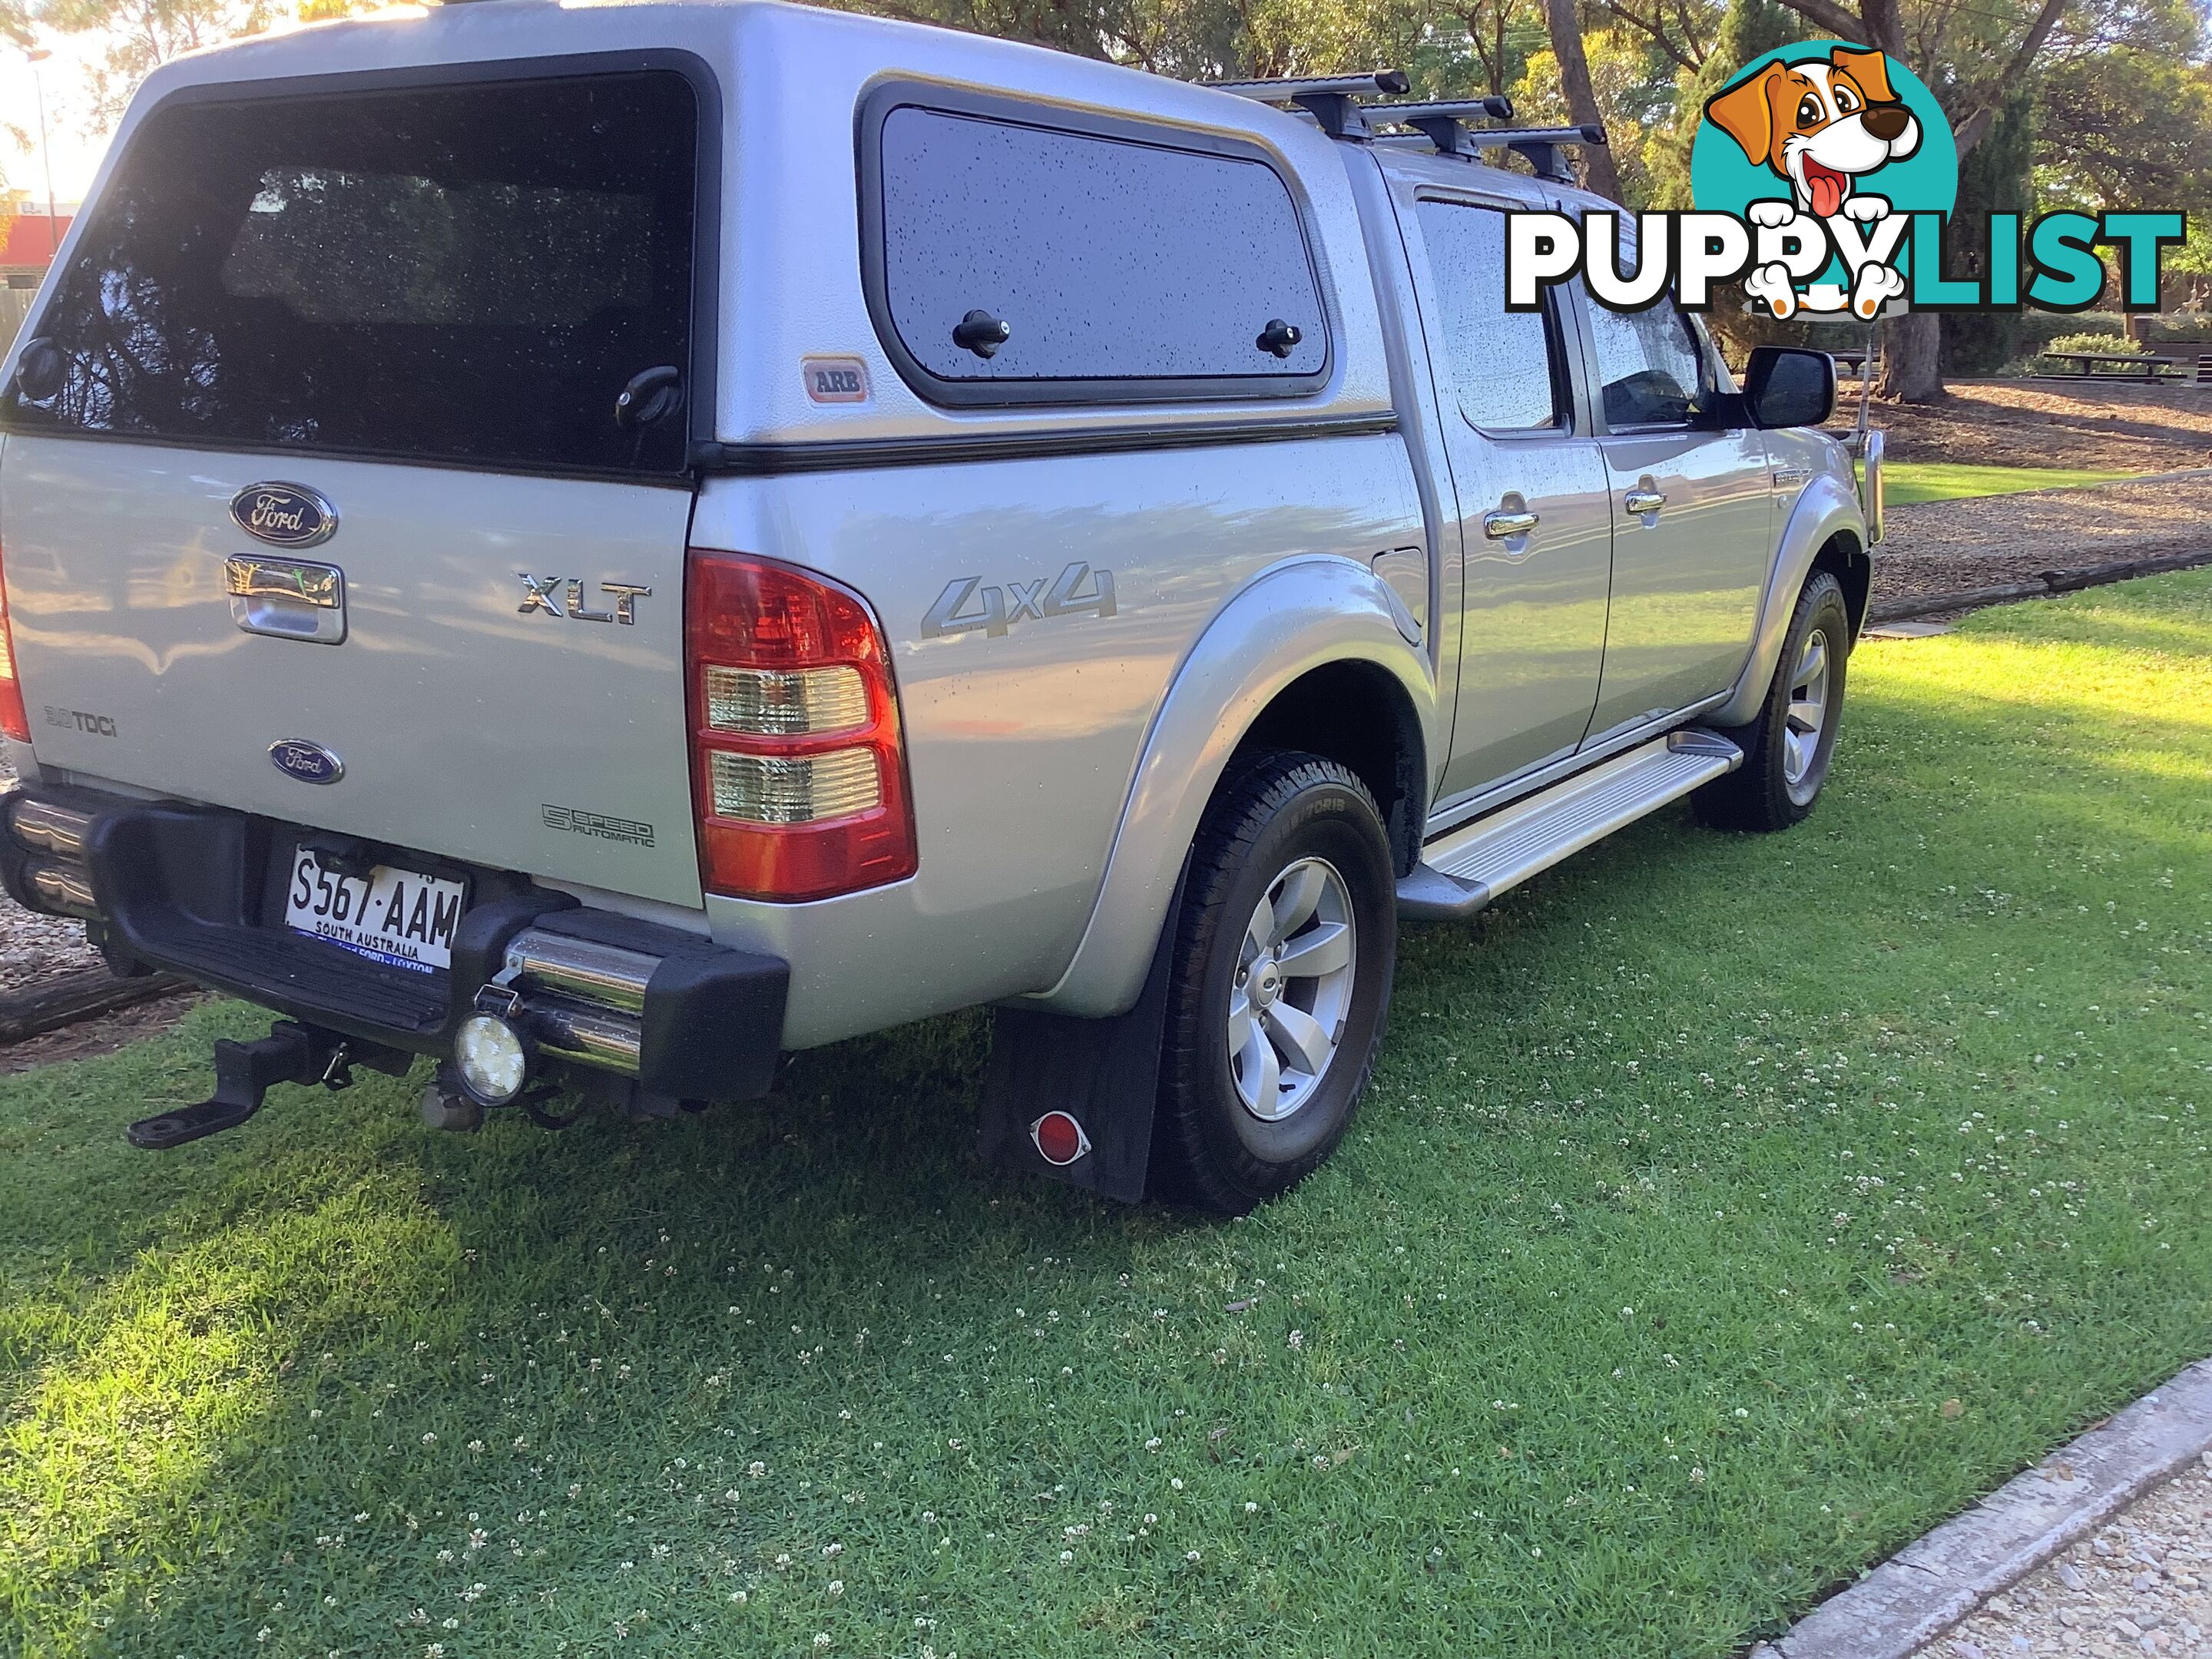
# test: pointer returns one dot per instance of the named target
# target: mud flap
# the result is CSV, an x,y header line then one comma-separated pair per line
x,y
1103,1073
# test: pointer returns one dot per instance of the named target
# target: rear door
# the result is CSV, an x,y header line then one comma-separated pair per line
x,y
317,500
1692,516
1531,488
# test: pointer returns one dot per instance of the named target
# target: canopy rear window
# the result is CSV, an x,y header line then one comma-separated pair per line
x,y
455,273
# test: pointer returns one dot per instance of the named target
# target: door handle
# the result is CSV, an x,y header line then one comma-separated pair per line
x,y
1640,501
1500,523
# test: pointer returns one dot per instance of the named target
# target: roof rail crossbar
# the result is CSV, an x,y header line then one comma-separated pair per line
x,y
1328,98
1540,146
1441,122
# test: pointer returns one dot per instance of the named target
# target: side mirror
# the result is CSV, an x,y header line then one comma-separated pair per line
x,y
1787,385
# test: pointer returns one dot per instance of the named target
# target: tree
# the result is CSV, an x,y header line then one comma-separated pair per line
x,y
1972,57
144,34
1747,29
1599,172
1634,93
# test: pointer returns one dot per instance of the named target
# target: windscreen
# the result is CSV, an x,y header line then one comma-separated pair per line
x,y
462,273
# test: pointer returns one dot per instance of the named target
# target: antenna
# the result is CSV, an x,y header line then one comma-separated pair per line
x,y
1327,98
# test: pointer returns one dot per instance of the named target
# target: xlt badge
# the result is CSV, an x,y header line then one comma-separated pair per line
x,y
542,595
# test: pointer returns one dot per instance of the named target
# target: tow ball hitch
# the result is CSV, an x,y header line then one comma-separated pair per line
x,y
244,1073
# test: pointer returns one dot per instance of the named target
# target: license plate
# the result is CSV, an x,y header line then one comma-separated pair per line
x,y
391,915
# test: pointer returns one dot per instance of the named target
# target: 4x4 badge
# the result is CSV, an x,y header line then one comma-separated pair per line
x,y
996,610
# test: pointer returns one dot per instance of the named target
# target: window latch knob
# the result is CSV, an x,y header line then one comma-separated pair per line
x,y
1280,338
981,332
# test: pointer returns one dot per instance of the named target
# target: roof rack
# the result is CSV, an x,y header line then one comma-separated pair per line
x,y
1327,98
1332,100
1440,123
1540,146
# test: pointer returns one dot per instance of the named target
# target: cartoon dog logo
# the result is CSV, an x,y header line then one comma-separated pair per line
x,y
1821,127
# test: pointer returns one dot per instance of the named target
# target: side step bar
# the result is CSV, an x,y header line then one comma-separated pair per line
x,y
1461,873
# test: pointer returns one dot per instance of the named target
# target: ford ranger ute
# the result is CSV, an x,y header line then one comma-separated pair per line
x,y
608,544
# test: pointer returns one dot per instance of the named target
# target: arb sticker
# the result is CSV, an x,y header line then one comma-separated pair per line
x,y
836,379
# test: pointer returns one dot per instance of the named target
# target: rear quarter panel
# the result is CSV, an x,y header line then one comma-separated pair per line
x,y
1024,747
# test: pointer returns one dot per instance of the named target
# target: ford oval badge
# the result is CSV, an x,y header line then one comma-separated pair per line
x,y
310,762
287,515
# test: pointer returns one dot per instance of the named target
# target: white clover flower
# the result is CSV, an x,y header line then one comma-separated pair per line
x,y
1191,1556
836,1587
739,1597
429,1439
1067,1556
831,1552
1152,1444
1251,1509
1176,1483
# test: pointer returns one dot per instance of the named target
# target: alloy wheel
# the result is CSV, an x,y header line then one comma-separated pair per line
x,y
1292,988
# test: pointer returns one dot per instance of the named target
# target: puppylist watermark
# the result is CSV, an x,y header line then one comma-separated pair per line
x,y
1823,176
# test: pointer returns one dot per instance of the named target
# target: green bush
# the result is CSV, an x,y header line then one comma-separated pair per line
x,y
2114,343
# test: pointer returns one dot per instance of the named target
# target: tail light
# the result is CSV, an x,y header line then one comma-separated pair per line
x,y
798,776
14,721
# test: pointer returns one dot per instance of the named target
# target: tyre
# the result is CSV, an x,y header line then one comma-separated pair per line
x,y
1787,748
1280,978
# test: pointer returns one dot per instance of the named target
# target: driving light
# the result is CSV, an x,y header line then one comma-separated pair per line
x,y
492,1058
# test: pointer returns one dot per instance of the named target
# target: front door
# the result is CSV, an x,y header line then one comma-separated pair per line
x,y
1533,503
1691,508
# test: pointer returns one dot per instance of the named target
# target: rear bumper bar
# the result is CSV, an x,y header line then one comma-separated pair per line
x,y
198,891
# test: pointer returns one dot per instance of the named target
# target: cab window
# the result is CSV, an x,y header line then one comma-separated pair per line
x,y
1651,369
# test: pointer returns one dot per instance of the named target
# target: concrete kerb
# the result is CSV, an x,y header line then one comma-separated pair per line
x,y
1932,1585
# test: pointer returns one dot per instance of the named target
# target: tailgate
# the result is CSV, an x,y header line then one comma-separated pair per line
x,y
346,473
465,725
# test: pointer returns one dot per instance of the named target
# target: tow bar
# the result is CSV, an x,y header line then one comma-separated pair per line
x,y
244,1073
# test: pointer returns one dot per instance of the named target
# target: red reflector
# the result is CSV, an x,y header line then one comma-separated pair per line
x,y
1059,1138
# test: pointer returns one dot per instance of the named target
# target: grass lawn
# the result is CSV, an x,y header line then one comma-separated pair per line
x,y
1906,482
1725,1211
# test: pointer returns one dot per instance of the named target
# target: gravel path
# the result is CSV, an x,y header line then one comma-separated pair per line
x,y
2137,1586
1944,547
2105,424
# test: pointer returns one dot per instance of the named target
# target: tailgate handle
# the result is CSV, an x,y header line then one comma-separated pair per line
x,y
287,598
